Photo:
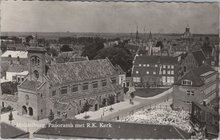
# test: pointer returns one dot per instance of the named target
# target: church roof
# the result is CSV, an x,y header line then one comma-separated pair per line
x,y
61,73
30,85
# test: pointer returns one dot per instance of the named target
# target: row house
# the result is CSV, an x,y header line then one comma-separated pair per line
x,y
67,88
155,70
198,85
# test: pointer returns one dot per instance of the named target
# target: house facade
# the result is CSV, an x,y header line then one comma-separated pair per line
x,y
198,85
67,88
155,70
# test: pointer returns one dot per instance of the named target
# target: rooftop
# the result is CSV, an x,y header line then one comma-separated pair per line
x,y
15,54
199,57
17,68
118,130
155,59
30,85
9,131
79,71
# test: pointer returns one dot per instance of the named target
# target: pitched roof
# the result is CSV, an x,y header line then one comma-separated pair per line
x,y
17,68
196,74
7,97
199,57
9,131
30,85
15,54
118,130
61,73
155,59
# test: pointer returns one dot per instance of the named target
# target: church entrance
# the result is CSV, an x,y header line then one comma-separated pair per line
x,y
24,110
30,111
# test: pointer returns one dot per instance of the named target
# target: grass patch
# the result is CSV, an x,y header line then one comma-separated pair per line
x,y
149,92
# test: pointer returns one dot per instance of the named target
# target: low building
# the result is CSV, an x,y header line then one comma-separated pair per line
x,y
15,57
198,85
66,88
155,70
108,130
17,72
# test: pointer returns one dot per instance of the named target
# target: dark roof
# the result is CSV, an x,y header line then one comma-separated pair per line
x,y
195,75
17,68
119,69
199,57
118,130
9,131
7,97
30,85
156,59
36,49
79,71
132,47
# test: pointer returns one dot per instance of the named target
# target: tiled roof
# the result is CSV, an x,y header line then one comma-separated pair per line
x,y
155,59
7,97
9,131
17,68
195,75
199,57
30,85
117,131
61,73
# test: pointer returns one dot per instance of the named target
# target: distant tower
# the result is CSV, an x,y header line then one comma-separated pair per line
x,y
137,36
150,44
187,34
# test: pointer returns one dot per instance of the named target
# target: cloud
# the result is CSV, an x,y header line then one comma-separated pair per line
x,y
108,17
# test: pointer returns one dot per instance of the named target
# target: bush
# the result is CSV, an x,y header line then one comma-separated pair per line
x,y
86,117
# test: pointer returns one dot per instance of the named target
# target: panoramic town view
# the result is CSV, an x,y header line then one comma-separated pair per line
x,y
109,70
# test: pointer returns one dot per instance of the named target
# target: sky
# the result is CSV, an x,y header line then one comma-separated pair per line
x,y
62,16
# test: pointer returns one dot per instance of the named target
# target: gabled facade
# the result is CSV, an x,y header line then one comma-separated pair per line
x,y
64,88
198,85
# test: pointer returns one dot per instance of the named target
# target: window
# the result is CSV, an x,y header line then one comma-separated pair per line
x,y
85,86
64,90
53,92
104,83
113,79
137,72
171,79
164,71
139,65
80,102
168,66
187,82
18,79
144,65
95,84
154,72
35,60
36,74
188,92
168,72
164,66
184,68
74,88
172,72
172,66
156,65
148,65
22,79
147,72
164,79
136,79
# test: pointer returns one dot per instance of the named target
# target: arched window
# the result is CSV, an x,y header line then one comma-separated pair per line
x,y
35,60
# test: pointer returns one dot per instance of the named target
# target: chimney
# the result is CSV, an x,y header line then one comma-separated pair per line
x,y
18,60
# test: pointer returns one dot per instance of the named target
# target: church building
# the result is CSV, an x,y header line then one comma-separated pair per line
x,y
68,88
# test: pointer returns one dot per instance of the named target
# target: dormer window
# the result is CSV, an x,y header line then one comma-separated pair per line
x,y
139,65
186,82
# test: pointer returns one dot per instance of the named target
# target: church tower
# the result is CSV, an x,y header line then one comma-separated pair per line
x,y
37,62
137,36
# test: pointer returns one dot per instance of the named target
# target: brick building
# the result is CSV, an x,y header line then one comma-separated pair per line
x,y
64,88
155,70
198,85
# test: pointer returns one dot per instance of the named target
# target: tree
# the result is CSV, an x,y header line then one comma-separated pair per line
x,y
92,49
51,116
66,48
52,51
28,39
117,56
86,106
132,97
10,117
